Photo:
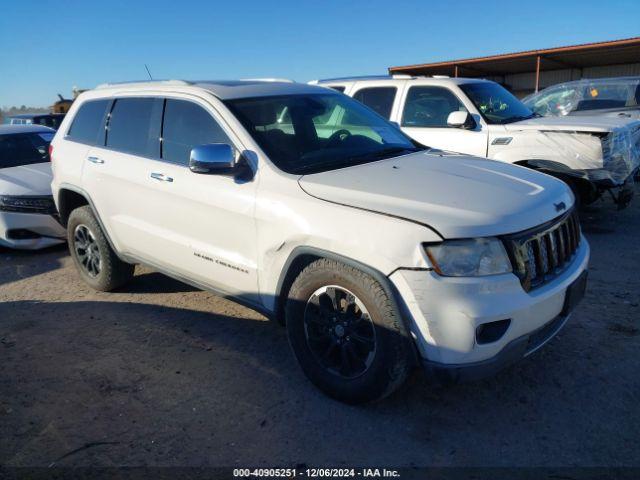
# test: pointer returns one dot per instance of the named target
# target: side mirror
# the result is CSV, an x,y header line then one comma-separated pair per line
x,y
461,120
213,158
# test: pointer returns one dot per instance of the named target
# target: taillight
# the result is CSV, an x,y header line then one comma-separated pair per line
x,y
50,153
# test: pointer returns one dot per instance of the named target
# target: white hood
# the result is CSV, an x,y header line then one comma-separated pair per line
x,y
459,196
572,123
26,180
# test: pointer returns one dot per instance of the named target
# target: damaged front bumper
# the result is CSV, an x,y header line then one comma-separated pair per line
x,y
621,192
593,183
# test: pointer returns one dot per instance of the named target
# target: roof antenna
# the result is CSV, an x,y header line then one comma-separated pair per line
x,y
148,72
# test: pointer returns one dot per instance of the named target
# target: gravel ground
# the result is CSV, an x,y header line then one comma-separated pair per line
x,y
161,374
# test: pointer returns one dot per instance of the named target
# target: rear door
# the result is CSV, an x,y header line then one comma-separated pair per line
x,y
115,174
423,116
382,98
72,147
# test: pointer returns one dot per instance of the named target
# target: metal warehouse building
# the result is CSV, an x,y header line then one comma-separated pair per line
x,y
533,70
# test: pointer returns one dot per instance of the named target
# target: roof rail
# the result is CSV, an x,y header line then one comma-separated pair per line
x,y
362,77
267,79
396,76
143,82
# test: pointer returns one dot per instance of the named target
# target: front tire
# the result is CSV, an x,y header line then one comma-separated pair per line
x,y
97,263
346,334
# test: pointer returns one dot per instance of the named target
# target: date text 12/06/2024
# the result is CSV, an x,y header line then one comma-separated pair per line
x,y
315,473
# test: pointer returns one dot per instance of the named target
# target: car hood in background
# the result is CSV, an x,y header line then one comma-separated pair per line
x,y
626,113
32,179
573,123
457,195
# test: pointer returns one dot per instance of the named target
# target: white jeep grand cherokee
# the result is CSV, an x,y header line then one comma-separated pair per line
x,y
379,255
593,154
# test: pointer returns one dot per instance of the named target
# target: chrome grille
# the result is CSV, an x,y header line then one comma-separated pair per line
x,y
540,254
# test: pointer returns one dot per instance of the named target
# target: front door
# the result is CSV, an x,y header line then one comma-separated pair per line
x,y
424,118
205,222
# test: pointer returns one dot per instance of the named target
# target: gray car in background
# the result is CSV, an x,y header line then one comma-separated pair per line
x,y
619,97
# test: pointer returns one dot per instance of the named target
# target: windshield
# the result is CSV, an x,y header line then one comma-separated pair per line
x,y
312,133
24,149
495,103
586,95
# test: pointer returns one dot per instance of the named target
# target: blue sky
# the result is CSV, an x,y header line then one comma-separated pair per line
x,y
50,46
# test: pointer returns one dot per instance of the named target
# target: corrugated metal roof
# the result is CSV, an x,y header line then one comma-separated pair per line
x,y
573,56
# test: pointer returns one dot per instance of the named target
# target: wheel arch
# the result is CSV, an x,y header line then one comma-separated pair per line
x,y
71,197
68,201
301,256
582,188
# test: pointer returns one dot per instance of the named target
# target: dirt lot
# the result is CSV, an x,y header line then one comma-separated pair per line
x,y
161,374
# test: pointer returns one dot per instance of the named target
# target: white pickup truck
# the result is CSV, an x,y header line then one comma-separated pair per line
x,y
593,154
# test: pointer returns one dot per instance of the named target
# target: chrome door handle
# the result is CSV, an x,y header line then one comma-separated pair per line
x,y
95,160
162,177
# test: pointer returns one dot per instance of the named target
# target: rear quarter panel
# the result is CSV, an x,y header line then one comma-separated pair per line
x,y
68,156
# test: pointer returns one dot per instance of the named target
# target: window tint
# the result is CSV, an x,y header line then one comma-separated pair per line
x,y
185,126
131,128
314,135
495,103
87,122
379,99
429,107
24,149
338,89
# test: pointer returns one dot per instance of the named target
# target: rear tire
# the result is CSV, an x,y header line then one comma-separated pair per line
x,y
336,308
97,263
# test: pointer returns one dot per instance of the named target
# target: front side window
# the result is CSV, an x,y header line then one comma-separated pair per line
x,y
378,99
429,107
304,134
86,126
185,126
495,103
131,129
24,149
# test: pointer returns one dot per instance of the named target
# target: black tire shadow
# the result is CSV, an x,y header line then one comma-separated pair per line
x,y
155,282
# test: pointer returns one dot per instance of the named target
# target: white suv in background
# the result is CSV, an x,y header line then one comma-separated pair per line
x,y
307,206
593,154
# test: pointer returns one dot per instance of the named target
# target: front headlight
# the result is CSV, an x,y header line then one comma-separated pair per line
x,y
469,258
28,204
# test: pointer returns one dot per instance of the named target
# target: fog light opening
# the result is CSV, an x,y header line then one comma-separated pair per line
x,y
22,234
492,331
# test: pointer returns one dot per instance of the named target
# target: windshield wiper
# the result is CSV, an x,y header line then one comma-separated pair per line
x,y
384,153
355,160
515,118
518,118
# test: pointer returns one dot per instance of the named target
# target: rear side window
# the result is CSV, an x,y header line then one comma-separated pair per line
x,y
338,88
379,99
430,107
131,126
86,126
185,126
